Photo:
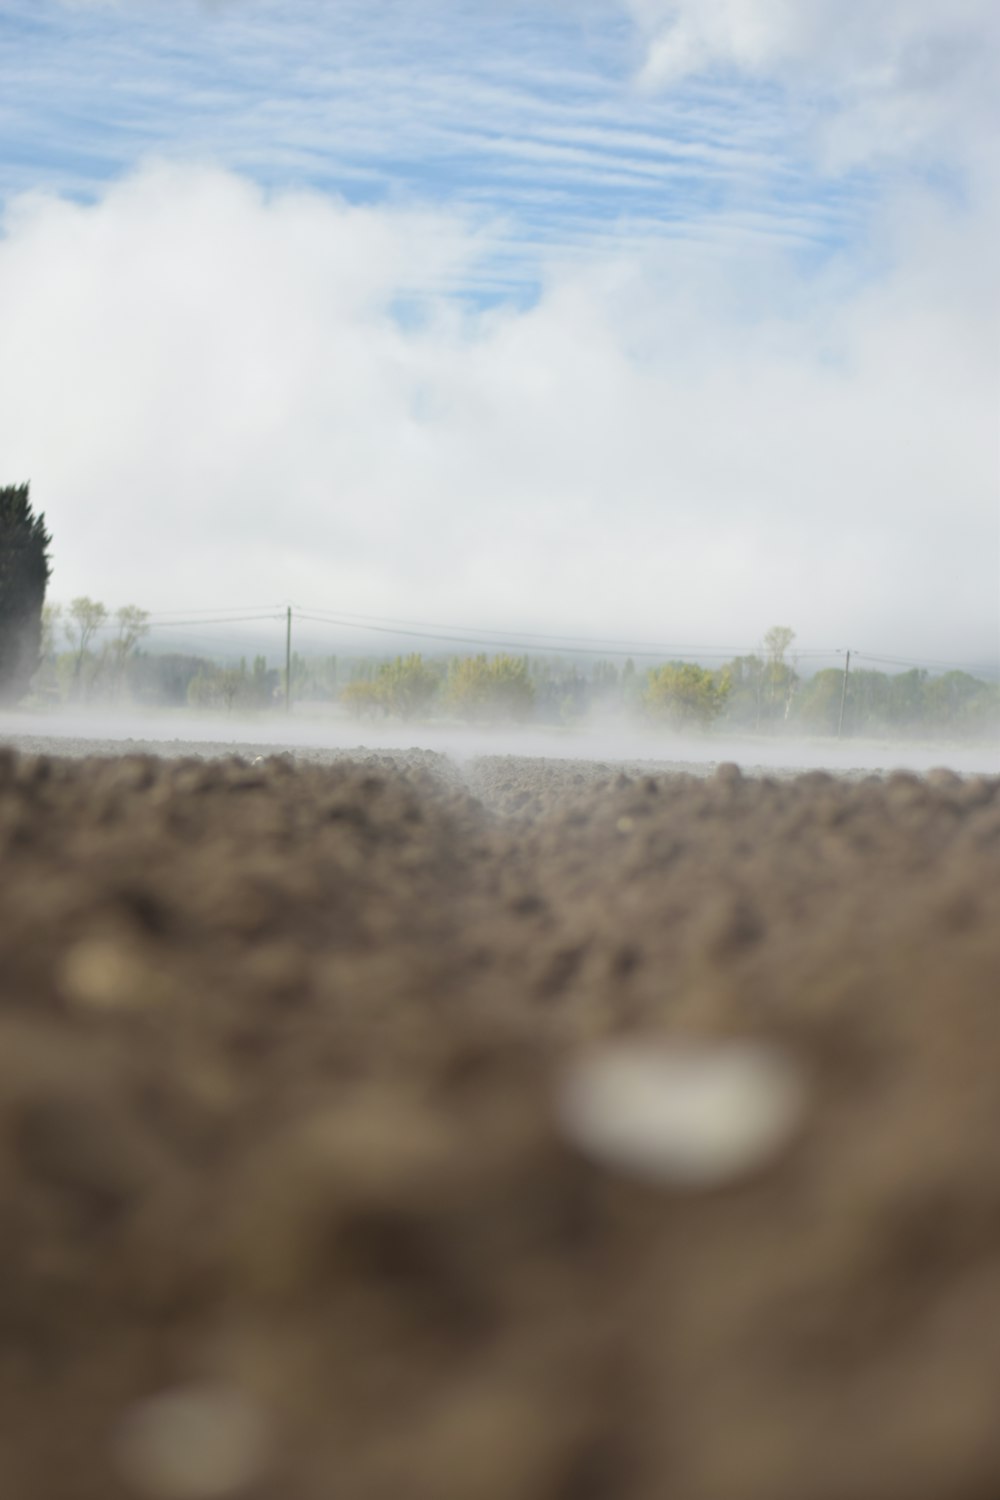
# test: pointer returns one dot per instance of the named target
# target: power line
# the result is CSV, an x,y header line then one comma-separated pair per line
x,y
513,643
476,631
526,641
233,620
901,661
153,623
231,609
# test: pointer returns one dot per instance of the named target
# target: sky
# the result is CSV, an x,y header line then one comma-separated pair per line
x,y
654,321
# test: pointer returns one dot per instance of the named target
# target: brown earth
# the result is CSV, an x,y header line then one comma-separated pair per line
x,y
280,1050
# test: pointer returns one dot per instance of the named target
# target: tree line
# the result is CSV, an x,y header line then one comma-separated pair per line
x,y
84,653
98,648
761,692
89,654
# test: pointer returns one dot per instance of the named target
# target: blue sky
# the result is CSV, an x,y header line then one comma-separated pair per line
x,y
523,116
671,317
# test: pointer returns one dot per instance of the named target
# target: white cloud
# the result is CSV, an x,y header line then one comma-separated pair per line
x,y
216,404
887,79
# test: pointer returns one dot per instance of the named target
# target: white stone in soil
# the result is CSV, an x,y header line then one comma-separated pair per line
x,y
689,1115
199,1442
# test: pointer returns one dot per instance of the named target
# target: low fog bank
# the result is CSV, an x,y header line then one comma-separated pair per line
x,y
79,732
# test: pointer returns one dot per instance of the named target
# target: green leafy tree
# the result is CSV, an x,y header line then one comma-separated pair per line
x,y
51,621
906,697
605,686
632,689
949,698
868,707
85,618
301,679
314,678
218,687
482,688
780,677
746,677
980,713
512,692
468,687
25,570
163,678
362,699
262,684
133,624
819,702
685,695
46,684
406,686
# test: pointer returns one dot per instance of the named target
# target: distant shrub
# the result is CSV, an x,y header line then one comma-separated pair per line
x,y
683,695
488,688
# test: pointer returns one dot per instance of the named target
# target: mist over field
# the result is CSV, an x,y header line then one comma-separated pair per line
x,y
104,732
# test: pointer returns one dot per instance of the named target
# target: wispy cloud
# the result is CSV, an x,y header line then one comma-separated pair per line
x,y
895,79
446,101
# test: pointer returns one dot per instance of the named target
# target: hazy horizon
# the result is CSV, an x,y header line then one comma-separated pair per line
x,y
226,641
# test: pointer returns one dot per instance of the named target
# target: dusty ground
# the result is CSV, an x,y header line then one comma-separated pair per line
x,y
292,1207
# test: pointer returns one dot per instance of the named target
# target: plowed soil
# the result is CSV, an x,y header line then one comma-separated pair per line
x,y
287,1207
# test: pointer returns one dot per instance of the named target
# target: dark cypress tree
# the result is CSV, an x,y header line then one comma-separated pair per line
x,y
24,573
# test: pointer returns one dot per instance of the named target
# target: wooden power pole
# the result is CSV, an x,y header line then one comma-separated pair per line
x,y
843,696
288,662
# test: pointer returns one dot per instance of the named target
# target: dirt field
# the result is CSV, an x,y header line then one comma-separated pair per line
x,y
375,1132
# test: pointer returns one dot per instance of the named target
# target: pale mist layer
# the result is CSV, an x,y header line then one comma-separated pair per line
x,y
81,732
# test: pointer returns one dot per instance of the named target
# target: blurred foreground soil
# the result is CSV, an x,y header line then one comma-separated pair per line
x,y
287,1207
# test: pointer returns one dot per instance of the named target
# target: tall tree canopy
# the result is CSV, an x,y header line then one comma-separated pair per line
x,y
24,574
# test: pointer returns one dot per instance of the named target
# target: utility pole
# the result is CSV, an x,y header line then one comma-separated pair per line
x,y
843,696
288,662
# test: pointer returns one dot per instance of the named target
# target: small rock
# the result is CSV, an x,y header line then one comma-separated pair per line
x,y
99,974
695,1115
729,772
198,1442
